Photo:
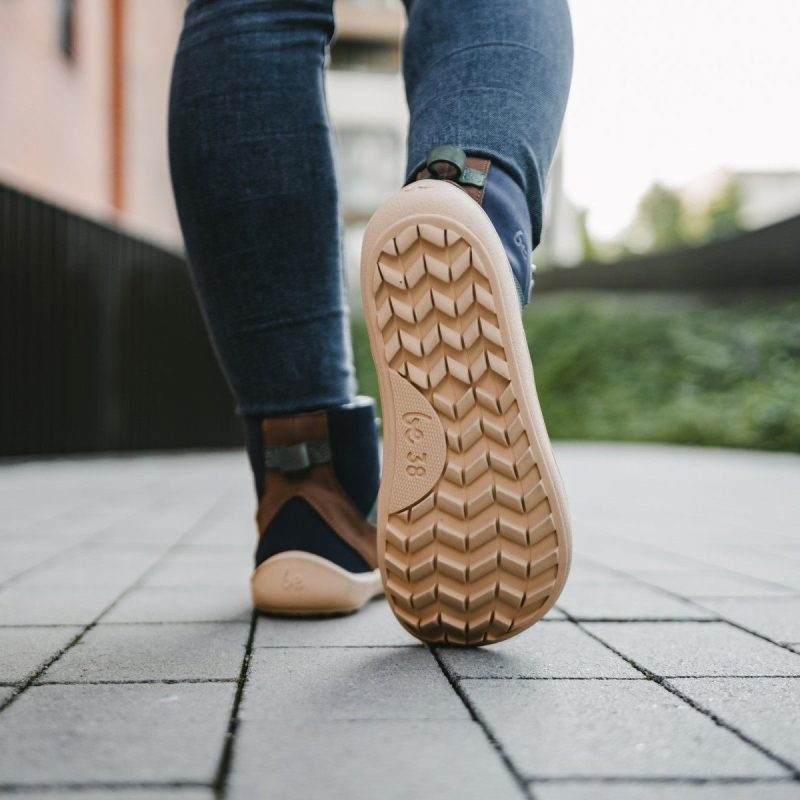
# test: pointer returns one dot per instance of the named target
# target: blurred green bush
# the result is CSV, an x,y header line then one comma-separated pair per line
x,y
660,368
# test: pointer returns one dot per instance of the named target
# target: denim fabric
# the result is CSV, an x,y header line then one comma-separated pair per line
x,y
253,173
492,77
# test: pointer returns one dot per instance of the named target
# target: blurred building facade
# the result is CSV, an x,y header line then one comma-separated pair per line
x,y
764,197
84,109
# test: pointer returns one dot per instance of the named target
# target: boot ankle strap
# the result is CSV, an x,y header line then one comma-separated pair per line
x,y
289,458
451,163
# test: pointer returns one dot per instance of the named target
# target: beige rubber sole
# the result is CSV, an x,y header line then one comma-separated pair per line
x,y
473,535
302,584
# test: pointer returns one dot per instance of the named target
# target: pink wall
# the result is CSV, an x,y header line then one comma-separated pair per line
x,y
55,114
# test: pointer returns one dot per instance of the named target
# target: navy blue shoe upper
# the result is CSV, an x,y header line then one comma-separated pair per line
x,y
355,460
505,204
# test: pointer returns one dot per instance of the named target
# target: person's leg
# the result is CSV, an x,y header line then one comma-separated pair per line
x,y
475,539
492,79
254,182
253,174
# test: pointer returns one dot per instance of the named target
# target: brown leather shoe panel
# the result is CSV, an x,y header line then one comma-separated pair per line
x,y
317,485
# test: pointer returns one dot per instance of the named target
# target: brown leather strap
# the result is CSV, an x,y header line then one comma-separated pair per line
x,y
317,485
475,192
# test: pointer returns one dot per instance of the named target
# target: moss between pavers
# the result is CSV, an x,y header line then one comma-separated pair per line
x,y
661,368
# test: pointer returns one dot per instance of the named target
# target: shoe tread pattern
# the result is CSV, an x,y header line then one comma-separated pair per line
x,y
477,558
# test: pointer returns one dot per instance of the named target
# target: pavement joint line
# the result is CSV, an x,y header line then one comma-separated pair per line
x,y
89,541
22,789
337,646
518,777
628,620
758,635
220,784
668,780
143,622
722,723
146,681
34,677
463,678
693,599
104,528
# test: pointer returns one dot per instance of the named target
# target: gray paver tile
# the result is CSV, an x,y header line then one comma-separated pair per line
x,y
667,791
88,567
203,568
184,604
159,793
373,626
92,566
589,600
311,685
19,556
777,618
696,648
154,652
765,709
583,569
609,729
124,733
387,760
554,650
5,693
709,583
627,554
59,605
24,650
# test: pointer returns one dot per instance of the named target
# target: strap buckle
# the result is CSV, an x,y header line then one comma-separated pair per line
x,y
449,163
298,457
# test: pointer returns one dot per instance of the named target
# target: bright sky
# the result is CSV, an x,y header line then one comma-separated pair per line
x,y
669,90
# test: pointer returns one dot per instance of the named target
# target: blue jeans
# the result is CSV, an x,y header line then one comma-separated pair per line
x,y
253,172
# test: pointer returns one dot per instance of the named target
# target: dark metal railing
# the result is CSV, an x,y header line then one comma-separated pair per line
x,y
102,345
767,259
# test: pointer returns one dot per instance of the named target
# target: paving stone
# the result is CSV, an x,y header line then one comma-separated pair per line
x,y
766,710
624,553
87,568
696,648
203,568
59,605
709,583
156,793
123,733
308,685
751,561
24,650
627,729
373,626
625,600
777,618
5,693
198,651
19,555
583,569
554,650
781,790
184,604
393,760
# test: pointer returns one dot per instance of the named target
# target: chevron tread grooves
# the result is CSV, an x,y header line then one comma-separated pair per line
x,y
477,558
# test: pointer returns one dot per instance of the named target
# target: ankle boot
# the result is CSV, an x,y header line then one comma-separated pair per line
x,y
474,536
317,550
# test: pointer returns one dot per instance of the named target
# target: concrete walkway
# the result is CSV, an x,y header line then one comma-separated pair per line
x,y
130,666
